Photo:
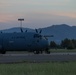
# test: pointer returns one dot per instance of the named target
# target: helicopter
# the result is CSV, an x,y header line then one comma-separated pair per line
x,y
24,41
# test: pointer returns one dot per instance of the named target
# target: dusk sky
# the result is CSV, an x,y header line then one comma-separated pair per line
x,y
37,13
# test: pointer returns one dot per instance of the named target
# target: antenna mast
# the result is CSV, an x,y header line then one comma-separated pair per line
x,y
21,19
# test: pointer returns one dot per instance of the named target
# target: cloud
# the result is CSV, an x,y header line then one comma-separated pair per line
x,y
4,17
3,3
47,2
19,6
66,14
9,18
38,15
35,2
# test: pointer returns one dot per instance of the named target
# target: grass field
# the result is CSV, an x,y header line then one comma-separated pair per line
x,y
51,50
52,68
62,50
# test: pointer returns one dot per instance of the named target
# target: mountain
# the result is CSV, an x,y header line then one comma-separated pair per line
x,y
60,32
16,29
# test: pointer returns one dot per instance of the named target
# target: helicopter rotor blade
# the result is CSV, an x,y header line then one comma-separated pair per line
x,y
26,31
40,31
48,36
21,30
36,30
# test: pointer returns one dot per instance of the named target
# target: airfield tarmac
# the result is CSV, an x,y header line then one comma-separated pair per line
x,y
30,57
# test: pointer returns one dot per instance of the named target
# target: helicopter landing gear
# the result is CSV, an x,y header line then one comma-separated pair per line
x,y
38,52
47,51
2,52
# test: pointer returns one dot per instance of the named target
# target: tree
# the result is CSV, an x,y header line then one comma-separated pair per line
x,y
53,44
74,42
67,43
70,45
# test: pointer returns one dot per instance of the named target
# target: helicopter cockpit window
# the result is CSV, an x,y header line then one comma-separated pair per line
x,y
37,36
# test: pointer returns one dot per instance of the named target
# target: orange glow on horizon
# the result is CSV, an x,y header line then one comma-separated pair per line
x,y
9,17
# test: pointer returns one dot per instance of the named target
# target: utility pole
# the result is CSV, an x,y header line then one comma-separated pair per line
x,y
21,19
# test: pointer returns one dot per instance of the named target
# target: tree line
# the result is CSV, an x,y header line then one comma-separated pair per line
x,y
65,44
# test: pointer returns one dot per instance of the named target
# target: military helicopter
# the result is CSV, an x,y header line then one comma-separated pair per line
x,y
24,41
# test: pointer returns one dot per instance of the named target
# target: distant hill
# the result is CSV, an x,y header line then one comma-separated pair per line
x,y
60,32
16,29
